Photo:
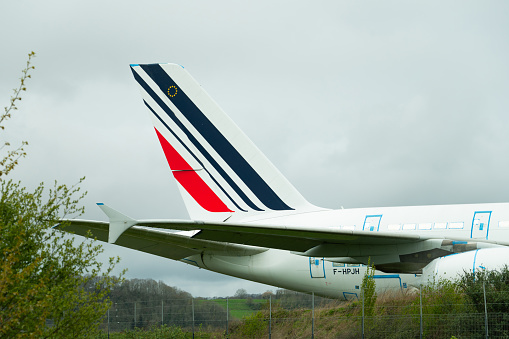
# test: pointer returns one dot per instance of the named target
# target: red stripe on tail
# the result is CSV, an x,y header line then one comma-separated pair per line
x,y
190,180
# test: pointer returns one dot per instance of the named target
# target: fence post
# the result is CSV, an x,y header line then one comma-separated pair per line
x,y
109,322
227,311
313,315
362,297
192,310
485,308
270,316
162,312
420,310
135,314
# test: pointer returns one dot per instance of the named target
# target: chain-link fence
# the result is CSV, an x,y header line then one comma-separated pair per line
x,y
424,313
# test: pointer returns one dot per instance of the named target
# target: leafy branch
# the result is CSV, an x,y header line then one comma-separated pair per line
x,y
10,160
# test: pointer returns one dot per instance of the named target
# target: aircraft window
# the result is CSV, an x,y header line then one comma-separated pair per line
x,y
504,224
394,227
409,226
440,225
456,225
348,227
353,265
426,226
338,264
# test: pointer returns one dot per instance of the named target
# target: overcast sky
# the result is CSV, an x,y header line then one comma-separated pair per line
x,y
358,103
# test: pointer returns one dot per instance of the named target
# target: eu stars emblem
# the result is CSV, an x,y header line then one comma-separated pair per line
x,y
172,91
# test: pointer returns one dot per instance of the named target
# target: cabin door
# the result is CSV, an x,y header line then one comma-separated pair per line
x,y
480,225
372,223
316,267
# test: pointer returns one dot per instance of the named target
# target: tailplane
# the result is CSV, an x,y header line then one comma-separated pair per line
x,y
220,172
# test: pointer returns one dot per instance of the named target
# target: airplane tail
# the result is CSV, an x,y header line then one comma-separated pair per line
x,y
220,172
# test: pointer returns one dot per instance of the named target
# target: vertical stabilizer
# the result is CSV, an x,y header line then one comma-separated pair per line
x,y
220,172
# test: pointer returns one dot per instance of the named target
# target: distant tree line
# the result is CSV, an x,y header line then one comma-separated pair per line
x,y
143,303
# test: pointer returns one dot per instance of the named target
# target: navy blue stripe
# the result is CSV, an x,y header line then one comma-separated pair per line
x,y
214,137
200,148
194,156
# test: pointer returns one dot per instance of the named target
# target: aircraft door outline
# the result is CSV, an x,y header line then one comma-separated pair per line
x,y
480,225
317,267
372,223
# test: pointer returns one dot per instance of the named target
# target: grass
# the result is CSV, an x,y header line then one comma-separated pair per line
x,y
241,308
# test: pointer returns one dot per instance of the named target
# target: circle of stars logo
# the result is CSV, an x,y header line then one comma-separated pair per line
x,y
172,91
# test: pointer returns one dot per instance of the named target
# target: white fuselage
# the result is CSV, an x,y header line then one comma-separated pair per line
x,y
479,222
286,270
473,221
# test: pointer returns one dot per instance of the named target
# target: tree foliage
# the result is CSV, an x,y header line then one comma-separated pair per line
x,y
496,285
241,293
45,274
369,289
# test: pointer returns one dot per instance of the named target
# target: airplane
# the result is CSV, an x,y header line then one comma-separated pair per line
x,y
248,221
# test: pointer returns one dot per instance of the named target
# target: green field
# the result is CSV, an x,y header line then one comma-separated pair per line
x,y
240,308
